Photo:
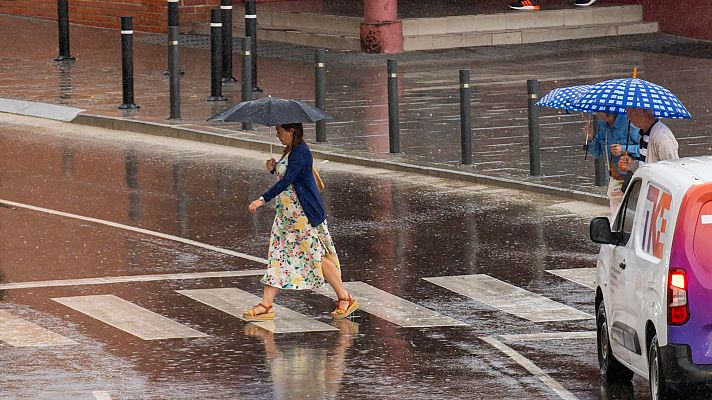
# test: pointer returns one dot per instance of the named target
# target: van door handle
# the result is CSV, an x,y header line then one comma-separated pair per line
x,y
622,265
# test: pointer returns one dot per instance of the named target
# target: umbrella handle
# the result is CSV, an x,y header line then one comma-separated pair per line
x,y
585,135
270,143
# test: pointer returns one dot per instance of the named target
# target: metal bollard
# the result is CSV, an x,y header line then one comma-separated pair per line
x,y
465,120
127,75
534,145
251,31
320,91
246,51
174,71
226,8
601,168
393,121
216,56
173,20
63,30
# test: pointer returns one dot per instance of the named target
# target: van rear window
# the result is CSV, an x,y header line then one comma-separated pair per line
x,y
703,238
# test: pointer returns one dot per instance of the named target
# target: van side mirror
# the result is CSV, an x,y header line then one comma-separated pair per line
x,y
600,231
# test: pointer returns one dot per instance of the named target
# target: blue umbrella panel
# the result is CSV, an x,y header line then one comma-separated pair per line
x,y
562,98
616,95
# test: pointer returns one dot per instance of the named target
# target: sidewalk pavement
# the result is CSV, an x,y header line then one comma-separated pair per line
x,y
357,97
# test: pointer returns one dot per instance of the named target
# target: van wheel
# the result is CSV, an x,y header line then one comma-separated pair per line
x,y
611,369
659,389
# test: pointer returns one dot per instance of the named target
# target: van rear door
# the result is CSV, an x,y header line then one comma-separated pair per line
x,y
692,251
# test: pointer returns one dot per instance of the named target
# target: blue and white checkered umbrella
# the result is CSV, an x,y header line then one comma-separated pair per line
x,y
616,95
562,98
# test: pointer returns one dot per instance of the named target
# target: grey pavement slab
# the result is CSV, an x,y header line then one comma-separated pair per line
x,y
37,109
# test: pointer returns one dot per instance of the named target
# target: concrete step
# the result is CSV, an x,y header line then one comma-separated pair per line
x,y
521,36
314,39
343,33
302,21
512,21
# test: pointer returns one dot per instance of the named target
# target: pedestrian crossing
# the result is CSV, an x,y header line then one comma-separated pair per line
x,y
129,317
234,301
582,276
149,325
18,332
509,298
392,308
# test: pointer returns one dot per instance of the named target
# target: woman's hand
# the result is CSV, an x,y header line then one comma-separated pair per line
x,y
255,205
588,130
616,149
271,164
624,163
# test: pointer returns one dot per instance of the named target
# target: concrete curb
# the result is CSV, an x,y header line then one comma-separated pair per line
x,y
158,129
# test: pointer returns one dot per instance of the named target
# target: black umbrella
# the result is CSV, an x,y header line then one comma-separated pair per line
x,y
271,111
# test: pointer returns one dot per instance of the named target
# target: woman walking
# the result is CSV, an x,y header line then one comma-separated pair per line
x,y
301,253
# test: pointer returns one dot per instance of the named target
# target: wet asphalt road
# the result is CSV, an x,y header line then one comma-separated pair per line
x,y
391,230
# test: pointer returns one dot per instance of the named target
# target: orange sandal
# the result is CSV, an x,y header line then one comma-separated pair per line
x,y
341,313
253,315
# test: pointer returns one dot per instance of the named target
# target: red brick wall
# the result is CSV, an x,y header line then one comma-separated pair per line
x,y
148,15
689,18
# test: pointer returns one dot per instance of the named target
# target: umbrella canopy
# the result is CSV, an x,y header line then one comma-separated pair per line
x,y
562,98
616,95
271,111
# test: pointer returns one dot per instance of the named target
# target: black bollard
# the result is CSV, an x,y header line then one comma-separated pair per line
x,y
534,146
127,76
216,56
173,20
226,8
320,91
393,121
251,31
63,29
465,121
246,52
174,71
601,169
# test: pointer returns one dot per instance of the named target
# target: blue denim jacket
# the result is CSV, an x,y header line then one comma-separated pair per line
x,y
299,173
607,135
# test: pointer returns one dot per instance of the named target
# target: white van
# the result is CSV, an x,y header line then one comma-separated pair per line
x,y
654,279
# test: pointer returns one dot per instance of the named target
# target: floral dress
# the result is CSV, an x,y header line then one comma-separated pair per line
x,y
296,247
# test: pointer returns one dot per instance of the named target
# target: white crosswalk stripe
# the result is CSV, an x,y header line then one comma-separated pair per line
x,y
17,332
393,308
582,276
235,301
509,298
538,337
129,317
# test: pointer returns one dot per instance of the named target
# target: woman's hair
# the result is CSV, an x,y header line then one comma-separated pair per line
x,y
297,136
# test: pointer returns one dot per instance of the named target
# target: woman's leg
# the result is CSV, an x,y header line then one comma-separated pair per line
x,y
269,294
332,275
265,306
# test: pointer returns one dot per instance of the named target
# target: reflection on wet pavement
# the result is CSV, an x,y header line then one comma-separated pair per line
x,y
391,230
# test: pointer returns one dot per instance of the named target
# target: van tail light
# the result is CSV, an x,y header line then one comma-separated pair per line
x,y
678,310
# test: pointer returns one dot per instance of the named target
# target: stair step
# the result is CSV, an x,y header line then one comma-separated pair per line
x,y
301,21
521,36
313,39
523,20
